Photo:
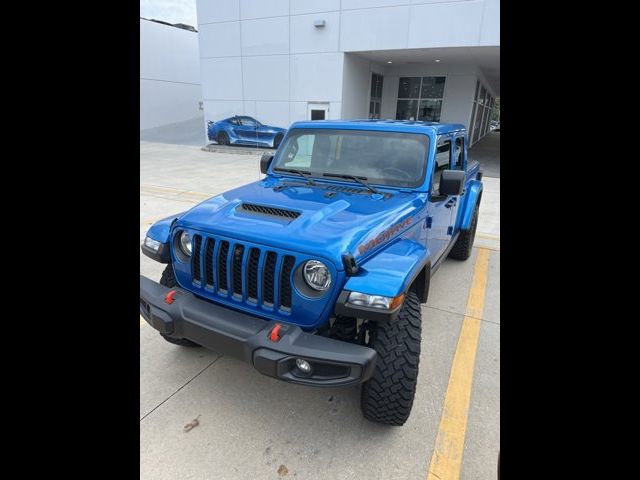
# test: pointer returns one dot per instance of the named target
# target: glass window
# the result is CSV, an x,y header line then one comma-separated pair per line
x,y
429,92
407,110
429,110
482,95
459,153
409,87
432,87
248,122
376,95
443,154
386,158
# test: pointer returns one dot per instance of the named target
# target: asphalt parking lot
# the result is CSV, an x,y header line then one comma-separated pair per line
x,y
255,427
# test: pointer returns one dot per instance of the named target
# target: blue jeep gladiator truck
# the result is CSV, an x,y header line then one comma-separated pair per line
x,y
315,274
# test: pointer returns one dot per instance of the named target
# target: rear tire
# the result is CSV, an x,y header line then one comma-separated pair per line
x,y
168,279
462,248
223,138
387,397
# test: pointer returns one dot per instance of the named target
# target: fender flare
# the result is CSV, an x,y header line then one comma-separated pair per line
x,y
473,195
161,232
394,270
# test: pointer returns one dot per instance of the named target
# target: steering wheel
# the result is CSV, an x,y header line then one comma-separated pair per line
x,y
393,170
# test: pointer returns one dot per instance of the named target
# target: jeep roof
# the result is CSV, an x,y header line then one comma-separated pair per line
x,y
386,125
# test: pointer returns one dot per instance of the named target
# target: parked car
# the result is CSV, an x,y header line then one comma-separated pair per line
x,y
316,273
242,130
495,125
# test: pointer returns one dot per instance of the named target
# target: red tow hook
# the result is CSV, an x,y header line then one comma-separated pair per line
x,y
274,334
169,297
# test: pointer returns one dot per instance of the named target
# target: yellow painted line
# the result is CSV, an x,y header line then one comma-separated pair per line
x,y
142,321
447,453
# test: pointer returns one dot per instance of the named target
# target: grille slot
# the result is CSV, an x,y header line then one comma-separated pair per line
x,y
269,211
252,274
195,259
208,262
223,283
285,281
268,277
238,252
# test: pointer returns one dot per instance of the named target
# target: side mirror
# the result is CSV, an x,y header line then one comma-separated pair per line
x,y
452,182
265,161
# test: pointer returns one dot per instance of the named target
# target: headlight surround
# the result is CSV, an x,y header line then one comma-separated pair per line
x,y
185,243
317,275
375,301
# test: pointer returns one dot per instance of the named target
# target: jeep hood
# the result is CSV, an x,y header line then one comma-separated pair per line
x,y
330,223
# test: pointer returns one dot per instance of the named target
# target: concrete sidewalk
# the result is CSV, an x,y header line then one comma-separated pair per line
x,y
487,152
252,426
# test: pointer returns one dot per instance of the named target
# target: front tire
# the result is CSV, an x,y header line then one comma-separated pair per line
x,y
168,279
387,397
462,248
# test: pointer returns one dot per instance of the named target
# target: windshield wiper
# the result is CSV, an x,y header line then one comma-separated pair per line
x,y
360,180
298,172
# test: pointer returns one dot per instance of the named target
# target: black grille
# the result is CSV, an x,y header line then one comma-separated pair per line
x,y
243,273
195,258
271,211
252,274
238,251
222,266
208,262
267,277
285,281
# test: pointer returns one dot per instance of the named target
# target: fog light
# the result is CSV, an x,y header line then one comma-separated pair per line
x,y
303,365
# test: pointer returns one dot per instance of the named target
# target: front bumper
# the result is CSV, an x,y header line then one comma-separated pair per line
x,y
233,333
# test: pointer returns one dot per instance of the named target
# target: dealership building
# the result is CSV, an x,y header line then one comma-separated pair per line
x,y
281,61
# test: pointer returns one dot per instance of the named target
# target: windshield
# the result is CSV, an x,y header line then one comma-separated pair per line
x,y
384,158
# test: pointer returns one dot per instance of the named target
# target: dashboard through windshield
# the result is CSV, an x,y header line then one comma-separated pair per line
x,y
381,158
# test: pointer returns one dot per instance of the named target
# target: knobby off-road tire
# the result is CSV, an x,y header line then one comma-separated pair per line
x,y
387,396
462,248
168,279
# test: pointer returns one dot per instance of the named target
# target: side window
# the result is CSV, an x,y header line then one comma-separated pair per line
x,y
443,161
443,154
234,121
459,153
248,122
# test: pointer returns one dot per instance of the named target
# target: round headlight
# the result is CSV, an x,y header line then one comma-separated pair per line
x,y
185,243
317,275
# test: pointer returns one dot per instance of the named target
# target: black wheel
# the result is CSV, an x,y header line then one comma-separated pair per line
x,y
223,138
387,396
462,248
277,140
168,279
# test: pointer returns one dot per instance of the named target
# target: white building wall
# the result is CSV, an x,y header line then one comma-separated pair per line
x,y
266,59
170,89
259,60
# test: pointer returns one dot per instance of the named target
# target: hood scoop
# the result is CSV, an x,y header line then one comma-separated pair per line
x,y
269,212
